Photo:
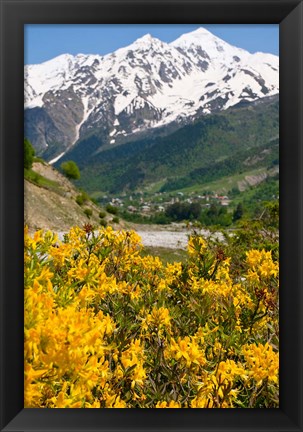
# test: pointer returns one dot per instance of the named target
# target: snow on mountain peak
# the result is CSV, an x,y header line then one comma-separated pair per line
x,y
146,84
147,38
197,36
59,60
143,43
211,44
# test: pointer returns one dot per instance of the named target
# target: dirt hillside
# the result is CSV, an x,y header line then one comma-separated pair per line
x,y
54,206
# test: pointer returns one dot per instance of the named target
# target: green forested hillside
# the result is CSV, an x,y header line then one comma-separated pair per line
x,y
214,146
240,162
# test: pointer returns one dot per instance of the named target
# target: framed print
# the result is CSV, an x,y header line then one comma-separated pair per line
x,y
152,330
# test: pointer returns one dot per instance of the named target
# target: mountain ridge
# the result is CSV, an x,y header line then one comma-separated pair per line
x,y
139,88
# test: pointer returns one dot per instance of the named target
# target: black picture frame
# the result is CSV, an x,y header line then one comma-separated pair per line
x,y
14,15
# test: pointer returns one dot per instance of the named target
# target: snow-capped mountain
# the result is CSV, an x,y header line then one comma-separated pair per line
x,y
145,85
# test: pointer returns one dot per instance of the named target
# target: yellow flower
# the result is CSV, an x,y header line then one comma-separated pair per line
x,y
253,276
261,362
196,245
269,268
115,401
159,317
202,402
228,370
96,336
187,350
171,404
134,356
262,264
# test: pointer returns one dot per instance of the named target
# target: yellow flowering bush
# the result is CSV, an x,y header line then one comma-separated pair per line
x,y
106,327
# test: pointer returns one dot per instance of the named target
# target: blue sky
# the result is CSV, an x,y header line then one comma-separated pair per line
x,y
45,41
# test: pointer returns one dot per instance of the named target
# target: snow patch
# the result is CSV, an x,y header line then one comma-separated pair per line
x,y
86,113
56,158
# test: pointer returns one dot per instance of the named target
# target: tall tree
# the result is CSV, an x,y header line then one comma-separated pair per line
x,y
238,213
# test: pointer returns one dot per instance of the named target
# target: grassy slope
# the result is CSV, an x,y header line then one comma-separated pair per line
x,y
39,180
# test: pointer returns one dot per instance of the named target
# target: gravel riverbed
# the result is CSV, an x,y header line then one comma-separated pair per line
x,y
166,239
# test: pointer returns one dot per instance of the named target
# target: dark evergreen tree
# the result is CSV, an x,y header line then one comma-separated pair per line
x,y
238,213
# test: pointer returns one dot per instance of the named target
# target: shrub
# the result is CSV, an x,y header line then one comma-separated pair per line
x,y
102,215
115,219
106,327
111,209
88,212
29,153
39,159
94,201
70,170
80,200
160,219
216,215
103,222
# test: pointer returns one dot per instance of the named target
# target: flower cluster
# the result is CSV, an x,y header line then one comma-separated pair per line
x,y
107,327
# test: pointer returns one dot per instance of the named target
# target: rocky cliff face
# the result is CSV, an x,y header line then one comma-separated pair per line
x,y
138,88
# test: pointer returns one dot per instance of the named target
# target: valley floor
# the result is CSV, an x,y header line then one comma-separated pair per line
x,y
173,236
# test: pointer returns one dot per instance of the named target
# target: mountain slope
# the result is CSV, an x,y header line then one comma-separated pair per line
x,y
53,206
138,88
215,143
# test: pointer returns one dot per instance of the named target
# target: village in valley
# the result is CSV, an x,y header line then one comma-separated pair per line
x,y
147,204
